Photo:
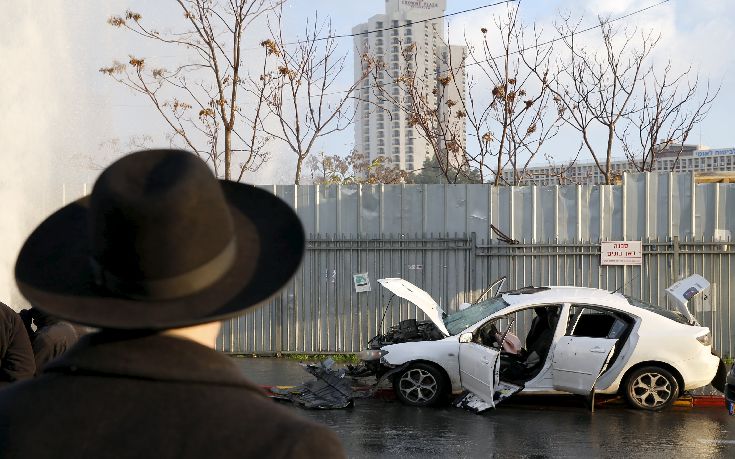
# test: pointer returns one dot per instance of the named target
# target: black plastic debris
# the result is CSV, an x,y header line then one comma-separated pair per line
x,y
330,390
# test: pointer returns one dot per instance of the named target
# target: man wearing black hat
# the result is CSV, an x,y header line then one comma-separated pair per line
x,y
155,257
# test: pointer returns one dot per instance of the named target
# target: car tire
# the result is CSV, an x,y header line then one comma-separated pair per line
x,y
651,388
419,384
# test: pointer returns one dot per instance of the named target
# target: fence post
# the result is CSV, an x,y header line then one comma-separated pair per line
x,y
675,262
472,267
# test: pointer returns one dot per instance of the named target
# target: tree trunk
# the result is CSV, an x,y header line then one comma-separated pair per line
x,y
228,152
298,170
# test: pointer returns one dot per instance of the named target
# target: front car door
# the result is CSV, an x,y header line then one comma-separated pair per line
x,y
477,368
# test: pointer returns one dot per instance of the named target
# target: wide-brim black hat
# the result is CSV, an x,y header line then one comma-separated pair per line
x,y
160,243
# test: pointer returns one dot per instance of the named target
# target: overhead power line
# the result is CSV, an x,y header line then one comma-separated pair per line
x,y
588,29
399,26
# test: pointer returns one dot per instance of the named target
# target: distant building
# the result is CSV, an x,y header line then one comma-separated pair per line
x,y
676,158
385,131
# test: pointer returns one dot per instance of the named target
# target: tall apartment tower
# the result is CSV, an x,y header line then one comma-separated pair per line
x,y
382,127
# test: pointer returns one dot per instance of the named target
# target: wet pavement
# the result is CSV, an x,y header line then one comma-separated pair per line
x,y
532,427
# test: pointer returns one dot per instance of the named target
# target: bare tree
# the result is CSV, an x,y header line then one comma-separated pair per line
x,y
300,89
669,112
619,93
600,91
201,100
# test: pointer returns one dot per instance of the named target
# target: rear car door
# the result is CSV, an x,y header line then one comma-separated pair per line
x,y
579,361
582,355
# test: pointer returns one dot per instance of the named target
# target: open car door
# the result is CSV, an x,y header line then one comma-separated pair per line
x,y
477,365
479,369
579,361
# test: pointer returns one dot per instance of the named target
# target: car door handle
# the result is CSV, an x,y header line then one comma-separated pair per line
x,y
598,350
485,360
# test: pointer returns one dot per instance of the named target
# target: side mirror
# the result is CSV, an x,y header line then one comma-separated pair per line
x,y
465,338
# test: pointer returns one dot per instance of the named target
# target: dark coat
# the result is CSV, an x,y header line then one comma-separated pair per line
x,y
16,355
151,396
51,340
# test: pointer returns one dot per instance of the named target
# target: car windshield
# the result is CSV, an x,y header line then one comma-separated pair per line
x,y
458,321
673,315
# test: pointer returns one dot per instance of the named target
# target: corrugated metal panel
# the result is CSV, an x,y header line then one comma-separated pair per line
x,y
439,237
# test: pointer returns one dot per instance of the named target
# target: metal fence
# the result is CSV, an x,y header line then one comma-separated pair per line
x,y
439,237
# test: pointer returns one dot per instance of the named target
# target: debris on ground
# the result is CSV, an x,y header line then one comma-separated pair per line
x,y
330,390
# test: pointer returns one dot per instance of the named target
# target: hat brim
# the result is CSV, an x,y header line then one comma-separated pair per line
x,y
54,273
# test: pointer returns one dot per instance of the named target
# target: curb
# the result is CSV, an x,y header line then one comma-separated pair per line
x,y
686,401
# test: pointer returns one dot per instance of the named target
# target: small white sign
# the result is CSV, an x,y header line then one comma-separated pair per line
x,y
362,282
628,253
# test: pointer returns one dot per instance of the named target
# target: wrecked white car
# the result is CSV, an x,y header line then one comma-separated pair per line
x,y
580,341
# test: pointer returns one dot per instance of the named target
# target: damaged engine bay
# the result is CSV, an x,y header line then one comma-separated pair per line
x,y
407,330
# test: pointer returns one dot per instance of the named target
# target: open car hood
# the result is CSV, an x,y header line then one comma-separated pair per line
x,y
418,297
684,290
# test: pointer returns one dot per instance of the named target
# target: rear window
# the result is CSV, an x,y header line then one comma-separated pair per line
x,y
673,315
458,321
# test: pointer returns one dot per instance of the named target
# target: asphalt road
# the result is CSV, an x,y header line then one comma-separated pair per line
x,y
531,428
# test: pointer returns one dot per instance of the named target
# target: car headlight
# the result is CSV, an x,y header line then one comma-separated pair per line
x,y
371,354
705,339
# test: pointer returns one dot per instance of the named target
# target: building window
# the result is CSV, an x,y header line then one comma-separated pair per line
x,y
396,151
381,151
396,141
380,125
396,159
396,133
395,23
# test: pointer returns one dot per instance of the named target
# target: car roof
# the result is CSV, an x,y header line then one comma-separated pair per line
x,y
565,294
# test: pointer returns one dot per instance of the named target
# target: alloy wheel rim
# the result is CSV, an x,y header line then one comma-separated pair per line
x,y
417,385
651,390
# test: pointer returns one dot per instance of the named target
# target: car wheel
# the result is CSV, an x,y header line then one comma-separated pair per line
x,y
651,388
419,385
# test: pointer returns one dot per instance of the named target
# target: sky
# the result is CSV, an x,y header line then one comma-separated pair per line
x,y
62,121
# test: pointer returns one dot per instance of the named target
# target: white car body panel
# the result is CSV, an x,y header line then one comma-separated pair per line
x,y
653,340
578,361
424,301
444,352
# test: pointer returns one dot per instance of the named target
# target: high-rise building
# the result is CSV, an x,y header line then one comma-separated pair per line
x,y
382,127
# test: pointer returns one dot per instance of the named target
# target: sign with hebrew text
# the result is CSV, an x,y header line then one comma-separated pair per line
x,y
617,253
